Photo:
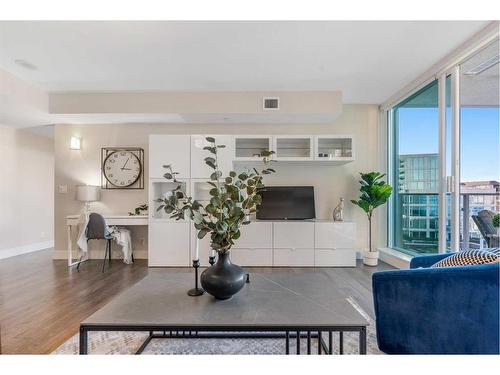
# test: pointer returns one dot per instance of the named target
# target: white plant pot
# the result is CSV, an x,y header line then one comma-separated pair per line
x,y
370,258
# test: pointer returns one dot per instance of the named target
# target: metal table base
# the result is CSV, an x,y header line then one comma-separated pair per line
x,y
214,332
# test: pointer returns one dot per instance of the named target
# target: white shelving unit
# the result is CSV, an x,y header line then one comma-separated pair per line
x,y
334,148
294,147
249,147
278,243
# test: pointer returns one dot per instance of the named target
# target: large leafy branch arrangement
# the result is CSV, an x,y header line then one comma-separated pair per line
x,y
233,199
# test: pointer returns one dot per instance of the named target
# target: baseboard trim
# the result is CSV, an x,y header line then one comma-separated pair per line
x,y
99,254
20,250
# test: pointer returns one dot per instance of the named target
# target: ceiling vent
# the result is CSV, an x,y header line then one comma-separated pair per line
x,y
271,103
478,69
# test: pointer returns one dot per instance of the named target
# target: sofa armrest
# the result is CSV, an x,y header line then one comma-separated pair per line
x,y
425,261
438,310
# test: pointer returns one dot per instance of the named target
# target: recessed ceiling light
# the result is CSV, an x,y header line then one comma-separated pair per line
x,y
25,64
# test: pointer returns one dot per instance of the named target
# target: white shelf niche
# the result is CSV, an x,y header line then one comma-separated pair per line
x,y
162,189
200,190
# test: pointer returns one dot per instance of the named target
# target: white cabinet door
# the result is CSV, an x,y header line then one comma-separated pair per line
x,y
256,235
293,235
335,258
224,155
252,257
293,257
335,235
169,149
168,244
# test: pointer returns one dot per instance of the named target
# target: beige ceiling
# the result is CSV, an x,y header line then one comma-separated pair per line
x,y
481,89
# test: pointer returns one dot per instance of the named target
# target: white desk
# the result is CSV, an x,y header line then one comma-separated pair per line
x,y
123,220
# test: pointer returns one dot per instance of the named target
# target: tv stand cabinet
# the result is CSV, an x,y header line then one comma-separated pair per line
x,y
312,243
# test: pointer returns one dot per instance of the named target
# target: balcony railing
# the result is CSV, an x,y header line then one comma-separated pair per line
x,y
416,238
471,206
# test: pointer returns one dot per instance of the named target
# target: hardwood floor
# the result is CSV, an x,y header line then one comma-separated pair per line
x,y
43,301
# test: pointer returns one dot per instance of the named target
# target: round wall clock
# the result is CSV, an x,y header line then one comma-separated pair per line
x,y
121,168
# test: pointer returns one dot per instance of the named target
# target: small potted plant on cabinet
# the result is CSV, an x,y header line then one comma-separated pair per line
x,y
374,193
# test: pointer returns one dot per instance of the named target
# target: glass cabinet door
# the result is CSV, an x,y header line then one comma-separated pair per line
x,y
293,147
249,147
335,148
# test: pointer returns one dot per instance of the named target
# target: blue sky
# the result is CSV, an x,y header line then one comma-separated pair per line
x,y
479,139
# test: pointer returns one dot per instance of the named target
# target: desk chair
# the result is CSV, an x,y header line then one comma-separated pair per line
x,y
96,230
484,222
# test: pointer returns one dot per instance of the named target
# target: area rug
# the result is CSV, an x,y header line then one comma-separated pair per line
x,y
129,343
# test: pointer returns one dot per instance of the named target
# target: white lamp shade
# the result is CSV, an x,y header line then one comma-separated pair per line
x,y
88,193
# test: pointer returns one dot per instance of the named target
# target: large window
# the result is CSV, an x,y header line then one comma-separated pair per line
x,y
445,160
479,146
415,172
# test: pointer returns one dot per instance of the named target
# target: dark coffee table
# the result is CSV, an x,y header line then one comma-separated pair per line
x,y
264,308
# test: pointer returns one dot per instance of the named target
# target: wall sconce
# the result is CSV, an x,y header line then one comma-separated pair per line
x,y
75,143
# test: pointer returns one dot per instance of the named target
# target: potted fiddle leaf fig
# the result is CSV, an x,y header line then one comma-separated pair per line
x,y
374,193
233,198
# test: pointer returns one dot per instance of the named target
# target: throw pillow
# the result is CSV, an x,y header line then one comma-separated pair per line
x,y
494,250
467,258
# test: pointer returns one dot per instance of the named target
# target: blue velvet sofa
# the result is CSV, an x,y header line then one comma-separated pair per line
x,y
450,310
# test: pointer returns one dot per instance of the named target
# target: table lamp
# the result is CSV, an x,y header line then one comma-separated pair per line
x,y
87,194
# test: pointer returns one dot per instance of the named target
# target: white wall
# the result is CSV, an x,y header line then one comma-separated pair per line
x,y
26,192
22,104
331,182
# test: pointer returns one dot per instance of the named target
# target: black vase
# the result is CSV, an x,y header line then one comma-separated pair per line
x,y
223,279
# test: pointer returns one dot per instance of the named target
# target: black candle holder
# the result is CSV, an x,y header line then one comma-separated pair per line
x,y
196,291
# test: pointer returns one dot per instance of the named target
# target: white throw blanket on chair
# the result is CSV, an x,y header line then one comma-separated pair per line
x,y
81,241
120,235
122,238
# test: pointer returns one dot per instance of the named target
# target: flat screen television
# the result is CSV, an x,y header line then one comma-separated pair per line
x,y
287,203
